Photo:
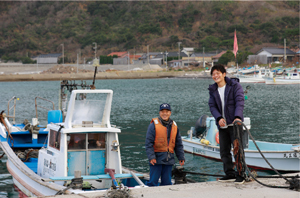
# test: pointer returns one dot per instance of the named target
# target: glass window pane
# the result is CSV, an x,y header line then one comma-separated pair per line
x,y
54,140
89,109
96,140
76,141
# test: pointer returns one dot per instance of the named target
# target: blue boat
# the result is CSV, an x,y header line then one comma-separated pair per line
x,y
202,140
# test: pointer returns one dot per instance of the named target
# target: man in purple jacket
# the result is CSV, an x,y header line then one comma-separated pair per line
x,y
226,103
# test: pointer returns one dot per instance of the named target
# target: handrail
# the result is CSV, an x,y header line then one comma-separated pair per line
x,y
36,105
14,98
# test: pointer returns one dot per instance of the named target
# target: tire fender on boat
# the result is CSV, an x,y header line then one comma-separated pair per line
x,y
217,137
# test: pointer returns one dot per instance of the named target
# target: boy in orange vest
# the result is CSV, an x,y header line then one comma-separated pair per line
x,y
162,140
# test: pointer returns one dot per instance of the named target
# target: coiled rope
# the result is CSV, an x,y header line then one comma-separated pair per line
x,y
294,182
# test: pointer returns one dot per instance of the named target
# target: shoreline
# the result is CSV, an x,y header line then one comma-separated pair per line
x,y
103,75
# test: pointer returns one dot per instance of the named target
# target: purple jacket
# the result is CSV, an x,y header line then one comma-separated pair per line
x,y
234,101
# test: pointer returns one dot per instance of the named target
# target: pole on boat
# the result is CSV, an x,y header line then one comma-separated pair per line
x,y
111,173
95,64
137,179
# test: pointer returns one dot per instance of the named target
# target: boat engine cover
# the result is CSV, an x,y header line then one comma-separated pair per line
x,y
200,126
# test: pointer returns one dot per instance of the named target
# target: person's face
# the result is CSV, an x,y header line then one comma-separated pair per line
x,y
165,114
218,76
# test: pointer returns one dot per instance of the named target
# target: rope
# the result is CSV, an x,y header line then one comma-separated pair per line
x,y
238,151
76,183
2,155
2,115
294,183
216,175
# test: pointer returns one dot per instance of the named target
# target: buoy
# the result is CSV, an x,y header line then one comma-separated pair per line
x,y
217,137
246,97
204,141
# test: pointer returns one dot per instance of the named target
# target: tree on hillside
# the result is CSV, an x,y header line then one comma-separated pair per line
x,y
227,57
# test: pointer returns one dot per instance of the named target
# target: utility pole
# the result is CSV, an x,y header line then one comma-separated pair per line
x,y
37,63
128,60
203,58
167,59
284,56
179,50
95,48
148,54
63,51
77,63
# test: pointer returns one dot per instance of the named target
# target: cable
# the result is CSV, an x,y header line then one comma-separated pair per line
x,y
294,183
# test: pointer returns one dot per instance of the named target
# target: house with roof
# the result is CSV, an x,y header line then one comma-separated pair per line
x,y
189,61
188,50
175,63
200,56
215,58
47,58
119,54
123,58
276,54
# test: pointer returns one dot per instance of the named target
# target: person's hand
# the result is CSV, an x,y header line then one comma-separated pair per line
x,y
153,161
181,162
237,119
222,122
98,143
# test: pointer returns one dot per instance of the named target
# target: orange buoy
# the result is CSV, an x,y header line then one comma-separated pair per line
x,y
217,137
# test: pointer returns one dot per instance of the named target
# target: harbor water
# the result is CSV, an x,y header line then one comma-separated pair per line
x,y
274,113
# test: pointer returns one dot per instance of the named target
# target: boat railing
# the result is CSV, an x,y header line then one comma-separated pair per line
x,y
14,99
36,105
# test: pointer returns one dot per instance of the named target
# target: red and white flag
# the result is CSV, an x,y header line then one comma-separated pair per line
x,y
235,44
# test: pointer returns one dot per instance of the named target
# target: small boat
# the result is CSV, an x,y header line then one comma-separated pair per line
x,y
202,140
250,78
255,78
286,78
78,150
249,70
231,70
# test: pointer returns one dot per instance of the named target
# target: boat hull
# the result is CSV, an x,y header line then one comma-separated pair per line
x,y
288,161
278,81
251,80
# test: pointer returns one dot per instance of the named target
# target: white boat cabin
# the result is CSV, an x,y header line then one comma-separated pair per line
x,y
85,141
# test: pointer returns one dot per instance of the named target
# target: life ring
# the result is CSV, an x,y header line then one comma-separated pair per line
x,y
217,137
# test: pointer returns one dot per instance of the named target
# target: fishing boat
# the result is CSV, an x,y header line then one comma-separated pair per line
x,y
78,149
203,140
249,70
255,78
292,77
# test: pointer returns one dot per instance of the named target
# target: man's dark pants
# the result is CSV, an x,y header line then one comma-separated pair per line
x,y
226,137
160,170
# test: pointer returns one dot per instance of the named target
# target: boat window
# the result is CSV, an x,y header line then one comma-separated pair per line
x,y
76,141
54,140
96,140
89,109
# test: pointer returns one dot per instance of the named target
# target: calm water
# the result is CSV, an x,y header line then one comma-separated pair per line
x,y
274,113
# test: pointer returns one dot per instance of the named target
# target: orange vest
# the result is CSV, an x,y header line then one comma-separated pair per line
x,y
161,137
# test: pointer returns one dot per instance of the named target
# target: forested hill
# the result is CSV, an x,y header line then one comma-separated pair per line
x,y
31,28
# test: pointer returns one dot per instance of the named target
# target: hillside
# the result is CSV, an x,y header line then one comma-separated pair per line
x,y
32,28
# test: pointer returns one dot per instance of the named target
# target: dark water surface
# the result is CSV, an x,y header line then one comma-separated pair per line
x,y
274,113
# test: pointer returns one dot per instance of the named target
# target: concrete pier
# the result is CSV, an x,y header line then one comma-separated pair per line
x,y
213,189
